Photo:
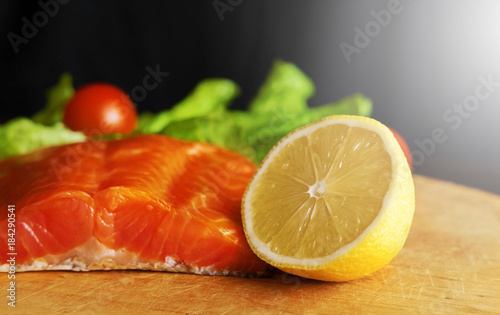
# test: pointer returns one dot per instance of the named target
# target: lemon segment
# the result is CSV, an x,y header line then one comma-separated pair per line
x,y
333,200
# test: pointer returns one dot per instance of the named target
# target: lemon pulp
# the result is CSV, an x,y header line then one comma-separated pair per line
x,y
345,194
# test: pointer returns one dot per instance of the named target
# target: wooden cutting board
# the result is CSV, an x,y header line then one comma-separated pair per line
x,y
450,264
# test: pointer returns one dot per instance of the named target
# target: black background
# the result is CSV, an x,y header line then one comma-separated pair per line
x,y
114,41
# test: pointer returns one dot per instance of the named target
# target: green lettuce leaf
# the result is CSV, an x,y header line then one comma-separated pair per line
x,y
286,90
209,96
23,135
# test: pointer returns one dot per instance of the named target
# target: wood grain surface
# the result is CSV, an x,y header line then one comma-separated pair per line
x,y
450,265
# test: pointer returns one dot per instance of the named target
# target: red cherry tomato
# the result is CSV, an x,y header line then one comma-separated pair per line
x,y
404,146
100,108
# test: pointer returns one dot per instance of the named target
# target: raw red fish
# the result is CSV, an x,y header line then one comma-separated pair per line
x,y
146,202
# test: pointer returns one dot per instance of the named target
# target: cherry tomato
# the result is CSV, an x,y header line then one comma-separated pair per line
x,y
404,146
100,108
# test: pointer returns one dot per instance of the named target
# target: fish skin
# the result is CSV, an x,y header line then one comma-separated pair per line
x,y
145,202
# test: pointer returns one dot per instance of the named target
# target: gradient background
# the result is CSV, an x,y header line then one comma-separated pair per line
x,y
426,60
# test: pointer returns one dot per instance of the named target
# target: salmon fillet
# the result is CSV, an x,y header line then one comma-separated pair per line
x,y
148,202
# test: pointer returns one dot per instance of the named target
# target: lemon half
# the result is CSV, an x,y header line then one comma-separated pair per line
x,y
333,200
